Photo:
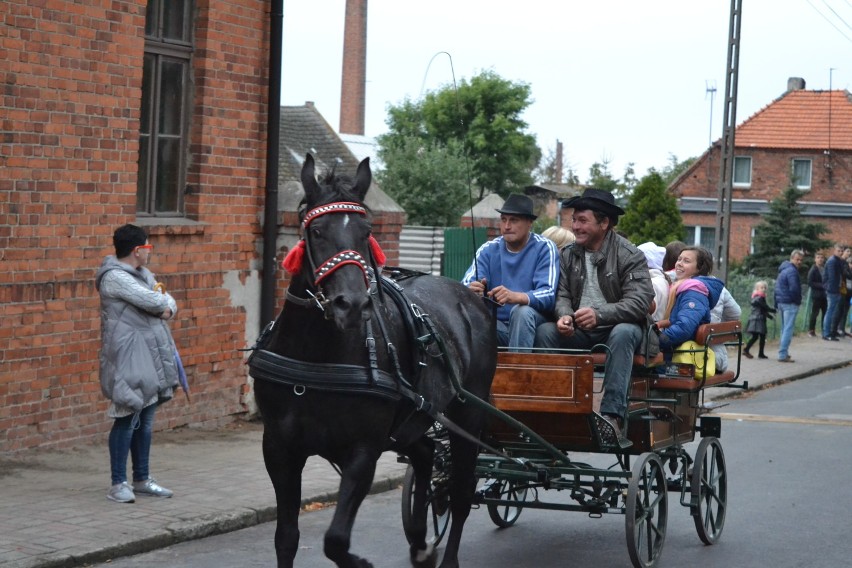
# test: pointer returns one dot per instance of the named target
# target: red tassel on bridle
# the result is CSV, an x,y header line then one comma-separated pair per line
x,y
293,261
377,252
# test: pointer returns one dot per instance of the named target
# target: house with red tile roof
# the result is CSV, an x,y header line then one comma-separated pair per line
x,y
804,138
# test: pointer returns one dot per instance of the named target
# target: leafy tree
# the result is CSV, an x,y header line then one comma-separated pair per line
x,y
652,213
783,230
674,168
428,180
601,178
484,117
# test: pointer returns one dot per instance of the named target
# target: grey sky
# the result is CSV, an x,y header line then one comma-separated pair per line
x,y
612,79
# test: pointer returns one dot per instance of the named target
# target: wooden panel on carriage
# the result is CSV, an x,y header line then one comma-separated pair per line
x,y
543,382
550,393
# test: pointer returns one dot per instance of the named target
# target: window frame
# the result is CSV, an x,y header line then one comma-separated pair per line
x,y
734,181
794,178
161,51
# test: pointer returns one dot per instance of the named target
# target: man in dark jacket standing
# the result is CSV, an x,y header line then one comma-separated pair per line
x,y
818,300
831,282
788,298
604,295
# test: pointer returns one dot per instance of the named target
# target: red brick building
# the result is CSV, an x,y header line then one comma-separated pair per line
x,y
132,111
803,137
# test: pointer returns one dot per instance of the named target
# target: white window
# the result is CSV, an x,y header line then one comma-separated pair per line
x,y
701,237
802,174
742,171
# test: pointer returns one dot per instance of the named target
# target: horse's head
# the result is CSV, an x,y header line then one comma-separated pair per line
x,y
337,240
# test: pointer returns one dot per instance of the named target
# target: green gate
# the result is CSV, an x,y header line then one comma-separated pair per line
x,y
460,244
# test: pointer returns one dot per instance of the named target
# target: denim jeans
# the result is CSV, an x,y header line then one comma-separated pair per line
x,y
131,434
788,321
832,315
519,332
623,340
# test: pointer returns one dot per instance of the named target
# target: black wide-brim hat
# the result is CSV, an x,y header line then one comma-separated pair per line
x,y
596,200
518,204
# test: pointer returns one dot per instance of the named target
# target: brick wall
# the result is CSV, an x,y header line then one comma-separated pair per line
x,y
71,75
770,176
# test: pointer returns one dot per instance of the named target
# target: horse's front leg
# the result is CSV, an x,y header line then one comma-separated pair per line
x,y
462,488
285,472
422,456
356,479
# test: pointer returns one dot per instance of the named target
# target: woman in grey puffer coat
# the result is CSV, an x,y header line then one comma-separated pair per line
x,y
137,359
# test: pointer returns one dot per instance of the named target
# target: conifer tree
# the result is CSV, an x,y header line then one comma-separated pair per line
x,y
652,213
783,230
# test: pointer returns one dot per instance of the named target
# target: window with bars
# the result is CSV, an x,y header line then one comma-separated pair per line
x,y
166,78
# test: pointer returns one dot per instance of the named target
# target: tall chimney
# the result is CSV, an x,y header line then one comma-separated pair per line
x,y
354,79
558,161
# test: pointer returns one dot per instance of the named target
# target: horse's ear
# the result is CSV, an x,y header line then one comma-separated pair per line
x,y
363,178
309,180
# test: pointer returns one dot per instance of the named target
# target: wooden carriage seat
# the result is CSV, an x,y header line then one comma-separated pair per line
x,y
707,335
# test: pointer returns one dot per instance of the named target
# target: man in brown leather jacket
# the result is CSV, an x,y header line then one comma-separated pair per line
x,y
604,294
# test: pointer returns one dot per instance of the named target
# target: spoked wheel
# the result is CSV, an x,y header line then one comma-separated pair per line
x,y
709,487
505,515
437,508
647,510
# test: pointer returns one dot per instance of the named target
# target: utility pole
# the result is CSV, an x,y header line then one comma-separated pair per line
x,y
726,163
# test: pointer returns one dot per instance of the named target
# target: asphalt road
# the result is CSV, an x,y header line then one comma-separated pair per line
x,y
788,451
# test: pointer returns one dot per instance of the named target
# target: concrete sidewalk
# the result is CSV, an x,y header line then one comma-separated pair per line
x,y
54,512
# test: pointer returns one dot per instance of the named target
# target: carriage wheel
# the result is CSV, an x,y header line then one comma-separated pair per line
x,y
647,510
505,515
709,487
437,508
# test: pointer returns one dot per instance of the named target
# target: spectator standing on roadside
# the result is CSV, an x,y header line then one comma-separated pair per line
x,y
817,291
834,268
845,292
788,298
756,326
138,369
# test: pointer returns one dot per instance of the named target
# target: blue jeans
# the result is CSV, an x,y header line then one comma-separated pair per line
x,y
519,332
623,340
131,435
788,321
832,315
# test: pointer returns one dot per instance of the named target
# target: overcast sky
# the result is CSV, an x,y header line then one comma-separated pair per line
x,y
622,80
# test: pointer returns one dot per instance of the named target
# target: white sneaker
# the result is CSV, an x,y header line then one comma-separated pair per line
x,y
121,493
151,487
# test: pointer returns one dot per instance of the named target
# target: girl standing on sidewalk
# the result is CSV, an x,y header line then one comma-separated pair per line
x,y
756,326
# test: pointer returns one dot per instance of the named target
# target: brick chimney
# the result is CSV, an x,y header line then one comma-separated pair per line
x,y
795,84
354,79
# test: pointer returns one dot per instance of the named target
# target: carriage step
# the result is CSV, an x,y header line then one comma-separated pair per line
x,y
607,436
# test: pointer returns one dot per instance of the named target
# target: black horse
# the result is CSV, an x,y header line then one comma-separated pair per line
x,y
342,371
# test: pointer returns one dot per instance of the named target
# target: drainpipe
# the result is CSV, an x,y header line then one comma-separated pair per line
x,y
270,207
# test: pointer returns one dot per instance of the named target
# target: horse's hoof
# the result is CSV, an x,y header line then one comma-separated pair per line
x,y
361,562
424,558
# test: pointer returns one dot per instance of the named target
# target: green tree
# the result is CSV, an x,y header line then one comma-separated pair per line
x,y
484,117
674,168
426,179
601,178
652,213
783,230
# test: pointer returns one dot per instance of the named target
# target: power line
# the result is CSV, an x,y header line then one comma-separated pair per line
x,y
839,17
826,18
